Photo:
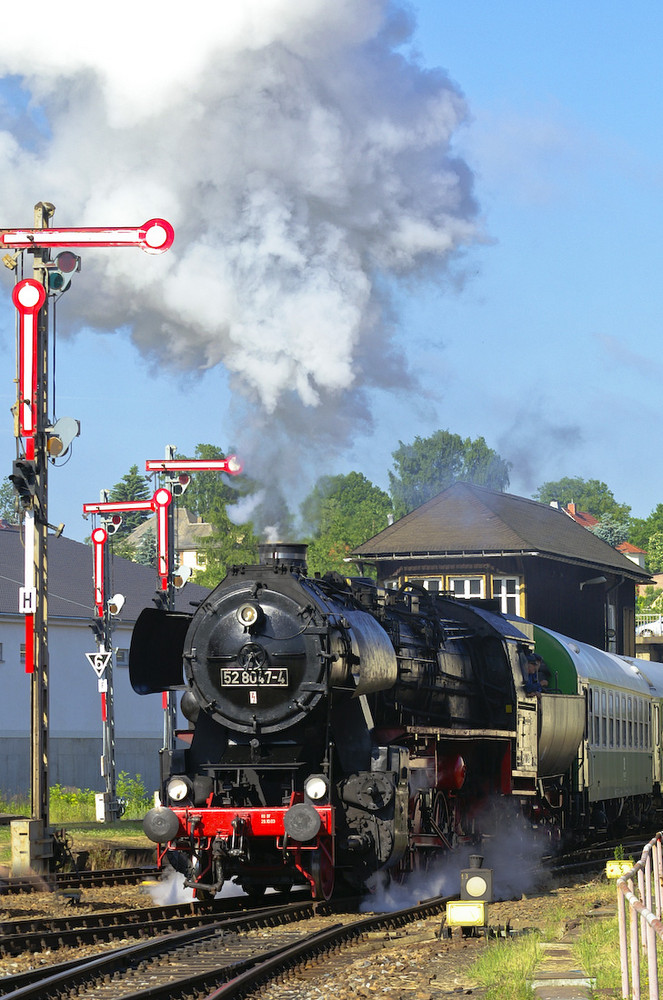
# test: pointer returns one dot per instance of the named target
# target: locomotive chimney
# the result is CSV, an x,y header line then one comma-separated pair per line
x,y
290,554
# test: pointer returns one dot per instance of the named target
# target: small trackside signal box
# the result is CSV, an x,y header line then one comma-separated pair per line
x,y
476,882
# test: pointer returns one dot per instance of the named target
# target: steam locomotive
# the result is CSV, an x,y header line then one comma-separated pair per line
x,y
337,729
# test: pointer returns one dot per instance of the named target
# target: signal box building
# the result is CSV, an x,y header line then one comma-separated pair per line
x,y
75,725
527,558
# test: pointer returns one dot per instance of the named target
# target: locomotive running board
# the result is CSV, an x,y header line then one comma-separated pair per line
x,y
155,654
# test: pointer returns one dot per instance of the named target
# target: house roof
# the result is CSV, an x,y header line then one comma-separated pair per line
x,y
467,520
189,531
70,580
581,516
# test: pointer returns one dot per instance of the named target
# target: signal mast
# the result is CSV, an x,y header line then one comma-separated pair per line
x,y
37,441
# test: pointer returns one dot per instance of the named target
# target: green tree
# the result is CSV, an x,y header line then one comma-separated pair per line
x,y
655,552
643,528
211,491
342,512
146,550
430,465
9,510
611,530
132,486
589,495
228,545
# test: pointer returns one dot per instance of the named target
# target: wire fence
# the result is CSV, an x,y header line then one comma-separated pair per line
x,y
639,901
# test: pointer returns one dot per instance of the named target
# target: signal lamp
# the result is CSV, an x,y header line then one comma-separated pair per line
x,y
181,576
60,435
179,485
24,478
112,523
61,271
476,882
115,604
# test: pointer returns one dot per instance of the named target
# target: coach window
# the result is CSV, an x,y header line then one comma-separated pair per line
x,y
648,726
507,591
641,721
597,717
618,724
623,720
466,587
611,719
630,721
604,721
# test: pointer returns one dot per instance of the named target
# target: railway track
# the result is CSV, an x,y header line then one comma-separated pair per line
x,y
232,955
76,929
60,881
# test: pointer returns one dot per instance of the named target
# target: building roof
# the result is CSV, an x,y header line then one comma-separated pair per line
x,y
467,520
189,530
70,580
581,516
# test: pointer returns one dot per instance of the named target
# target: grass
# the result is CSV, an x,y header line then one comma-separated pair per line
x,y
73,810
505,966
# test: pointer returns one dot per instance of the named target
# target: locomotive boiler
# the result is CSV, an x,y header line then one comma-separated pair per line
x,y
336,728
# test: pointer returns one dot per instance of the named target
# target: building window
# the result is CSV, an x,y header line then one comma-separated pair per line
x,y
22,652
507,591
434,584
466,587
122,657
2,658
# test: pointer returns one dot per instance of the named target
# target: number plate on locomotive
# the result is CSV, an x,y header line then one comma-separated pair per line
x,y
267,677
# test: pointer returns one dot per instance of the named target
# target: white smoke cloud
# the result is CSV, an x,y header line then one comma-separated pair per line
x,y
304,159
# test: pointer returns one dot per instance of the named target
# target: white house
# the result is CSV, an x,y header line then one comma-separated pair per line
x,y
75,724
189,533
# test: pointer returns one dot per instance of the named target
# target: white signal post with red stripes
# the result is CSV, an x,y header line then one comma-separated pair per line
x,y
31,427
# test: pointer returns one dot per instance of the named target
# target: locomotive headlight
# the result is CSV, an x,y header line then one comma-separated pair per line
x,y
179,789
316,787
249,615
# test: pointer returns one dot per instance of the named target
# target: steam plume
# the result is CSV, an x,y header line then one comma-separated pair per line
x,y
304,158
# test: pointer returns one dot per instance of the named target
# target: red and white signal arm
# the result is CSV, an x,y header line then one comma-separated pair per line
x,y
231,465
154,236
162,500
28,296
99,538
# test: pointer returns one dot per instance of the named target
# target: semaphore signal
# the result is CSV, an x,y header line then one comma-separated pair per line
x,y
32,427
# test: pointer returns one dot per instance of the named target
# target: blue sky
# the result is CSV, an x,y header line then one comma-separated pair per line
x,y
542,334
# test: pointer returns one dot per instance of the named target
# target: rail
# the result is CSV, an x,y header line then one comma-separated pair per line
x,y
640,934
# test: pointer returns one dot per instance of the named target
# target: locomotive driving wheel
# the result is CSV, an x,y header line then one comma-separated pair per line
x,y
322,872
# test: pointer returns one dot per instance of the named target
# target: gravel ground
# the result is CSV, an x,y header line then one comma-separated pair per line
x,y
411,963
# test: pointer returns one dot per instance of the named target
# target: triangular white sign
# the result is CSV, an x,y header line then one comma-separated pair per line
x,y
98,661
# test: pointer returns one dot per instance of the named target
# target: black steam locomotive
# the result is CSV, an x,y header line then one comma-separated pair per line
x,y
338,729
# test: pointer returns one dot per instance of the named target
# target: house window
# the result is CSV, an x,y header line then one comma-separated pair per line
x,y
2,658
434,584
507,591
122,657
466,587
22,652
